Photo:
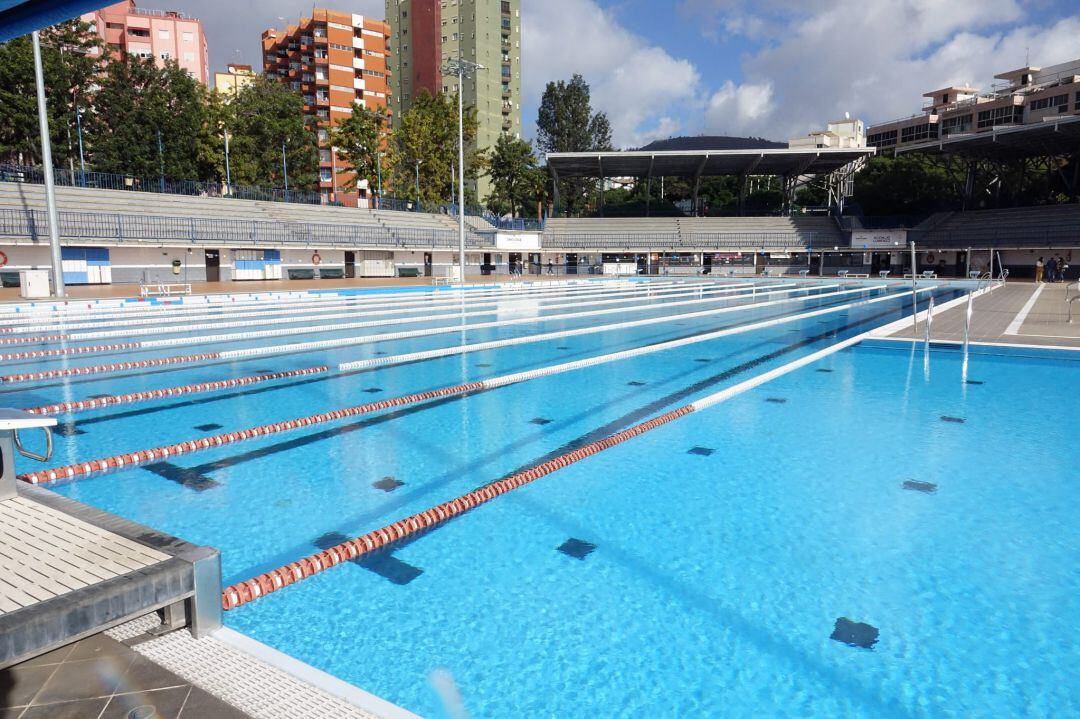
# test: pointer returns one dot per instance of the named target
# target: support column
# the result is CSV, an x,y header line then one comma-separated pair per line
x,y
697,180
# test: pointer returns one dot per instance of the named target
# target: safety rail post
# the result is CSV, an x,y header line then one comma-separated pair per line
x,y
11,421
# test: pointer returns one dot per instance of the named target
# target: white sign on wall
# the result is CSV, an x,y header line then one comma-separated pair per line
x,y
878,239
517,241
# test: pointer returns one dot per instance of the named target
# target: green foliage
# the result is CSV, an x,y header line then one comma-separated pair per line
x,y
69,66
263,115
428,132
516,183
567,123
139,104
904,184
360,139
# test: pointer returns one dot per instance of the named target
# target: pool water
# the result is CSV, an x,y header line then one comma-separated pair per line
x,y
696,570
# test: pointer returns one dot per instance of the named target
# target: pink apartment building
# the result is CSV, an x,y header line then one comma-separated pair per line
x,y
160,34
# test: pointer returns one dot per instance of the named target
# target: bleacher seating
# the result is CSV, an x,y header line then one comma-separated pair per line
x,y
692,232
1047,226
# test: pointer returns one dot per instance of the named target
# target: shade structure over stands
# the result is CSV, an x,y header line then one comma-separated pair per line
x,y
787,163
1060,136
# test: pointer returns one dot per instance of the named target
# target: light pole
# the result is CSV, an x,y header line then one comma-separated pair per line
x,y
47,166
462,68
417,185
161,161
285,170
228,169
82,160
378,173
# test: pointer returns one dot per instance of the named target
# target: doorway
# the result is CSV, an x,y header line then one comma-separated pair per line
x,y
213,265
427,264
350,264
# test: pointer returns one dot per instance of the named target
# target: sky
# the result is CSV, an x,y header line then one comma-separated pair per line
x,y
767,68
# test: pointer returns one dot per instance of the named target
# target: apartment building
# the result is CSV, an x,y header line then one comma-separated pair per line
x,y
161,34
428,33
235,78
333,59
1025,96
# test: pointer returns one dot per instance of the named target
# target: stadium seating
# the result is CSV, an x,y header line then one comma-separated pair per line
x,y
1047,226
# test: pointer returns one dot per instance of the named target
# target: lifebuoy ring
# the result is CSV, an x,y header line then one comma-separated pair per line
x,y
3,259
930,258
316,259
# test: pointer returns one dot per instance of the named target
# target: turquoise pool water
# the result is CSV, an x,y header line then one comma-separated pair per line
x,y
714,555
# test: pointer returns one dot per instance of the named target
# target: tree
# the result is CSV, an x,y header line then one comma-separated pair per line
x,y
566,123
263,115
428,133
149,121
70,61
904,184
362,142
512,168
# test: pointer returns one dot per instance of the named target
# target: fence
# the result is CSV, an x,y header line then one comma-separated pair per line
x,y
164,185
123,228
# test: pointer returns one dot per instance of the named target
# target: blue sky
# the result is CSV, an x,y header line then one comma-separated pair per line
x,y
771,68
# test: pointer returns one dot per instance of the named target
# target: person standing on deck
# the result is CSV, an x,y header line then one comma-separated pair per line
x,y
1039,270
1051,269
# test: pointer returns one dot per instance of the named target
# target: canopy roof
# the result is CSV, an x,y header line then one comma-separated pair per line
x,y
1060,136
790,162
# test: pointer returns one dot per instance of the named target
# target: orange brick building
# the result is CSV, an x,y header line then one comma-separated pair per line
x,y
333,59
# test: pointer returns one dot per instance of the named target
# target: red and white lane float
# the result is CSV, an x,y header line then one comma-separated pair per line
x,y
98,466
116,399
269,582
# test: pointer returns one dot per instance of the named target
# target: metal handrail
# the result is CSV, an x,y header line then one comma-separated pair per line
x,y
34,455
1069,300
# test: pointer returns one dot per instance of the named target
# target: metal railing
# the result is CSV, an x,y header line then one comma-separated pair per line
x,y
124,228
163,185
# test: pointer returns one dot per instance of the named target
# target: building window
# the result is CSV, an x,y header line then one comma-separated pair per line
x,y
956,125
189,57
324,155
189,37
163,34
1060,101
138,32
1007,115
166,55
325,175
882,139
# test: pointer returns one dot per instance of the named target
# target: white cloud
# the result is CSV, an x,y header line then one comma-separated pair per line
x,y
640,86
873,58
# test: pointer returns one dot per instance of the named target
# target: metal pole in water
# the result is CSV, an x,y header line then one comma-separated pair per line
x,y
929,320
47,166
914,294
967,323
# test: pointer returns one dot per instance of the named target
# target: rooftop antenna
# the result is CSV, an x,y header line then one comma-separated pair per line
x,y
1027,56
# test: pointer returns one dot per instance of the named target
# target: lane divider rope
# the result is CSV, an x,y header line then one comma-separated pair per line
x,y
152,394
99,466
364,339
274,580
365,324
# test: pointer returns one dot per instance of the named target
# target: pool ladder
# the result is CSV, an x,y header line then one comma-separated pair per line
x,y
11,421
1069,300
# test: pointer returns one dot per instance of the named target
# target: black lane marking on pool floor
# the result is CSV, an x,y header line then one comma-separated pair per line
x,y
701,451
422,490
208,427
576,548
854,634
387,484
67,429
636,383
973,381
253,391
599,433
918,486
776,400
540,421
381,561
823,370
953,420
185,477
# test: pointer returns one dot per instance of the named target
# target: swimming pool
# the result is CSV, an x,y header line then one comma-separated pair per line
x,y
696,570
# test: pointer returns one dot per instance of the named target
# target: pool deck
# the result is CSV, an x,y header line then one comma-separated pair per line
x,y
11,294
1019,313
